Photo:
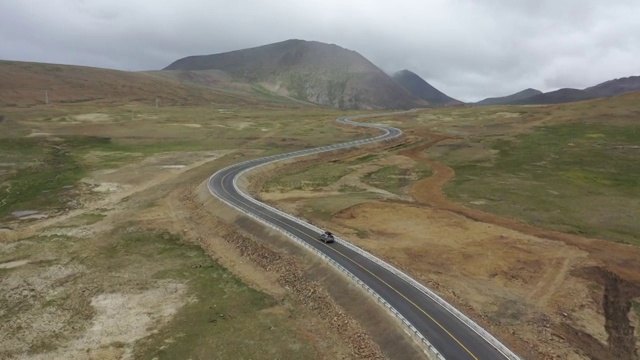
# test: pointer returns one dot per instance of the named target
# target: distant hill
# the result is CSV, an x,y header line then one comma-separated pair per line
x,y
421,89
504,100
555,97
308,70
25,83
535,97
615,87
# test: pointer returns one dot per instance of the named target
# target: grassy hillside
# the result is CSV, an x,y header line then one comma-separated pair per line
x,y
504,100
569,167
25,84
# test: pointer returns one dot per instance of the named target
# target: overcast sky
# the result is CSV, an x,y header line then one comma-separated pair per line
x,y
469,49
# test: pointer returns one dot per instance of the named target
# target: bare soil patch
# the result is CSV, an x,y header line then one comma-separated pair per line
x,y
93,117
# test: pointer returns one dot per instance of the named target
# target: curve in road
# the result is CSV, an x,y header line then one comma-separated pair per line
x,y
447,333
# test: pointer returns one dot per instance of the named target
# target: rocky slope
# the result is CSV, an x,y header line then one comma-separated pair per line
x,y
615,87
419,88
320,73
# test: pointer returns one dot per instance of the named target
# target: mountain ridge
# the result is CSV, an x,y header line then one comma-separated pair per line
x,y
501,100
608,88
325,74
420,88
615,86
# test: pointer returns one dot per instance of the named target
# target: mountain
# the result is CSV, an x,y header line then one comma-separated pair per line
x,y
605,89
504,100
421,89
535,97
555,97
615,87
324,74
25,83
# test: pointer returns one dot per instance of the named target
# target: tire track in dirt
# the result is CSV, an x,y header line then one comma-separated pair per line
x,y
550,282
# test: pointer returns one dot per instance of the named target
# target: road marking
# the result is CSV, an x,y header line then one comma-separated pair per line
x,y
409,300
251,205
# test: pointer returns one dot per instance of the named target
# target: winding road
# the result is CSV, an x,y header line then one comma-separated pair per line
x,y
445,332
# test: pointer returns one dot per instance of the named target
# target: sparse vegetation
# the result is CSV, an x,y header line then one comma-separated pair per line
x,y
83,157
47,168
310,178
574,177
45,177
636,307
395,179
137,264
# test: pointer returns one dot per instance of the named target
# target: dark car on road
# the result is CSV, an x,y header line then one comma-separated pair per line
x,y
326,237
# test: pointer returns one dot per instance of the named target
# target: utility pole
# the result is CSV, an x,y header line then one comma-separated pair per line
x,y
46,97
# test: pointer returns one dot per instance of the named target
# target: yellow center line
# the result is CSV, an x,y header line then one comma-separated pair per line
x,y
363,268
407,299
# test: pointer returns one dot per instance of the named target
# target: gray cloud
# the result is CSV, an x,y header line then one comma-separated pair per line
x,y
469,49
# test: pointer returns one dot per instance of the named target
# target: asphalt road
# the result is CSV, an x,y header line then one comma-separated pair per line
x,y
448,334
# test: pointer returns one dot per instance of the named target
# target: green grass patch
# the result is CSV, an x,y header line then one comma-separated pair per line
x,y
224,316
635,305
46,183
395,179
389,178
362,234
310,178
326,207
39,173
221,317
364,159
82,220
350,189
563,177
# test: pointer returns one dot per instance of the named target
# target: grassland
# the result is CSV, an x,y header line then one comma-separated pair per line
x,y
97,262
45,152
395,179
158,279
578,178
572,167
